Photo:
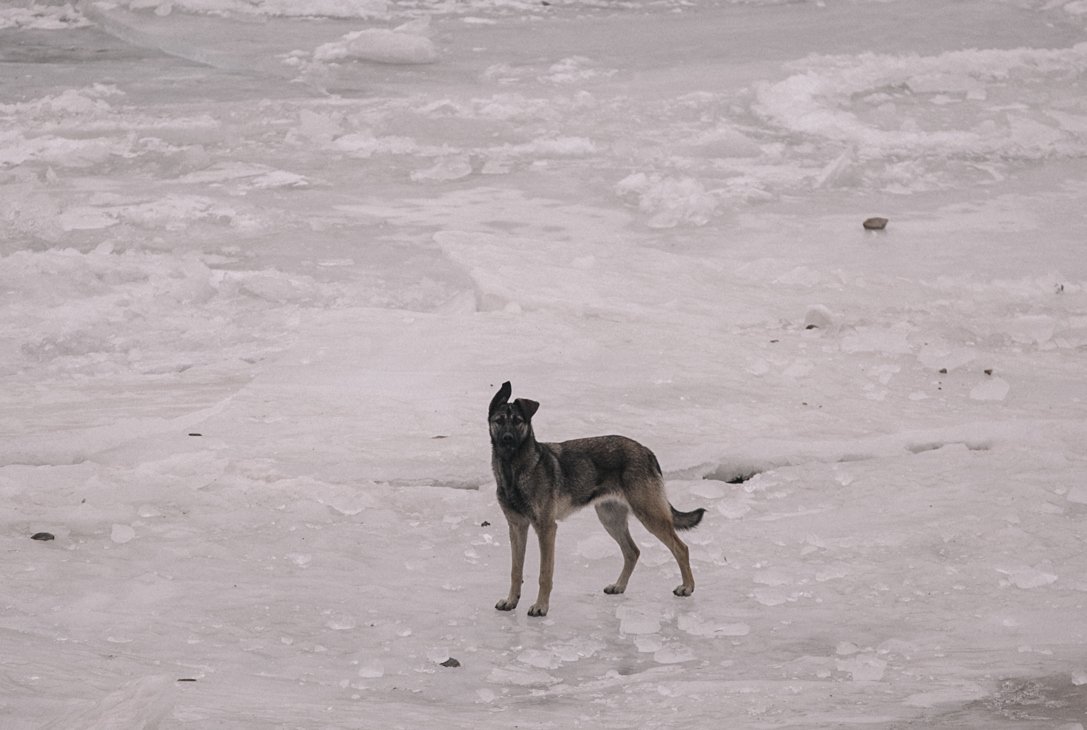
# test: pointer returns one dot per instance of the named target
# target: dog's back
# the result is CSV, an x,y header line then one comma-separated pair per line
x,y
615,467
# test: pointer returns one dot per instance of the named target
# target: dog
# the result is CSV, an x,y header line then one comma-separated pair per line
x,y
541,483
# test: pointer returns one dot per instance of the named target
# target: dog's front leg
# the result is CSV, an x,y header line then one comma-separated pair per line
x,y
546,533
518,541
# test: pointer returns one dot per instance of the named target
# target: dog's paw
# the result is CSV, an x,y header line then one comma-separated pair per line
x,y
506,605
614,589
538,610
683,590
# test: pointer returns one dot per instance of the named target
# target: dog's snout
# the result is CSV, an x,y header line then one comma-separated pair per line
x,y
507,439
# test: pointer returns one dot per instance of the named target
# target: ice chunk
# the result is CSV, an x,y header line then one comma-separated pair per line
x,y
268,8
378,45
86,218
445,169
539,658
1027,578
846,648
121,534
673,654
863,668
41,16
372,669
340,622
669,201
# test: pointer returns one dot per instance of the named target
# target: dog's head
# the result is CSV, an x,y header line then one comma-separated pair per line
x,y
510,423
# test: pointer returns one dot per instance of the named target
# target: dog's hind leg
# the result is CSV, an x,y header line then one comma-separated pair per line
x,y
613,515
518,541
546,533
656,514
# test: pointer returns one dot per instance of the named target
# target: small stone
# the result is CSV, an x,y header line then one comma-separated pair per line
x,y
43,536
875,224
988,371
485,523
196,434
451,663
943,371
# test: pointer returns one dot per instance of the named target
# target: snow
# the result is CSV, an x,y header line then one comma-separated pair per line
x,y
263,263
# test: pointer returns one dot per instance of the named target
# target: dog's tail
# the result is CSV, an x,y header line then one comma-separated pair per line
x,y
686,520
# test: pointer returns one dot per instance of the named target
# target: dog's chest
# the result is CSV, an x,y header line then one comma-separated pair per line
x,y
511,493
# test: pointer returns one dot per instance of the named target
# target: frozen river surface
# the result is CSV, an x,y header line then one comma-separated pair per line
x,y
263,263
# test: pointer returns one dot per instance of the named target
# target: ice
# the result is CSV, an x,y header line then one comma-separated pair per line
x,y
696,626
263,263
1028,578
669,201
991,389
121,534
673,655
141,703
378,45
307,8
637,621
371,670
444,170
819,317
35,16
863,668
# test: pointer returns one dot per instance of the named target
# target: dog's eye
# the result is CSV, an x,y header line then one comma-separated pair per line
x,y
500,420
517,420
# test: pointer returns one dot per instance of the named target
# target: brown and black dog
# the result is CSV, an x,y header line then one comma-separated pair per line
x,y
541,483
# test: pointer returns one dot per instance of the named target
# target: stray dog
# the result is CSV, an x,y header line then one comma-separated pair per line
x,y
541,483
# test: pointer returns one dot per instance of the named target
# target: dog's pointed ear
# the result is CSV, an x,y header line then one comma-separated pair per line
x,y
501,398
528,407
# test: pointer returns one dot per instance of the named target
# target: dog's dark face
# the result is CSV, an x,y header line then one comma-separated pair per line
x,y
510,423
